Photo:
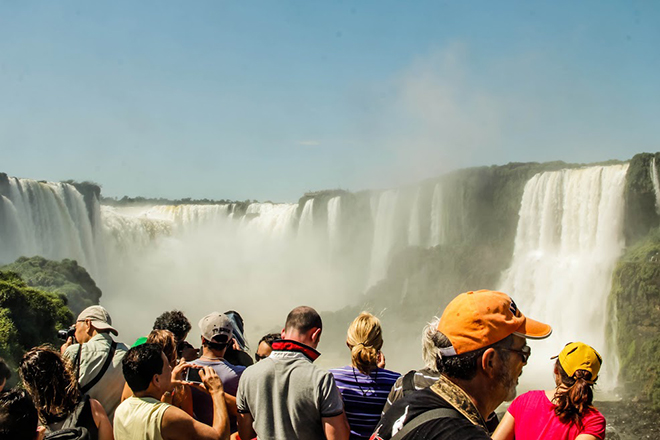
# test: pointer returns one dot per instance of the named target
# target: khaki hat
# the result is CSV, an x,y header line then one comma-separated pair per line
x,y
214,325
99,317
475,320
580,356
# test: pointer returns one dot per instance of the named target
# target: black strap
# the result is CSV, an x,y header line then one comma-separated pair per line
x,y
89,385
438,413
408,383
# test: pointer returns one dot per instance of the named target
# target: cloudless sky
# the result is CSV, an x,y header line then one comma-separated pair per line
x,y
268,99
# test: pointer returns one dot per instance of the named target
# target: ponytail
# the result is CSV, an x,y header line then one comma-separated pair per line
x,y
365,339
573,402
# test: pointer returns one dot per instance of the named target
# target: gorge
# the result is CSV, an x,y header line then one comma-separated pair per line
x,y
553,235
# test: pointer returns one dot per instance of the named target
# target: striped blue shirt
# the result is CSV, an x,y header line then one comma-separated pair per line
x,y
364,397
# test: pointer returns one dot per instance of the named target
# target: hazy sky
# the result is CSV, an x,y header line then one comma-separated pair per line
x,y
269,99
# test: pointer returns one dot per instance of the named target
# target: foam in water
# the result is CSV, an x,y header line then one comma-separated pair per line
x,y
569,237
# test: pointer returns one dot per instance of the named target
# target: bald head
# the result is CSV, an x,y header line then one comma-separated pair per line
x,y
302,319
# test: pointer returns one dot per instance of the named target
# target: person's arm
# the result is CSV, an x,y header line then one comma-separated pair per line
x,y
586,437
245,429
231,405
335,428
504,430
177,424
101,420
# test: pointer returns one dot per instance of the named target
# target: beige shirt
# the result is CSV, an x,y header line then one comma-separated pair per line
x,y
93,355
139,418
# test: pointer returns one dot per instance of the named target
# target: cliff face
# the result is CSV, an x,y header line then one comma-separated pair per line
x,y
635,296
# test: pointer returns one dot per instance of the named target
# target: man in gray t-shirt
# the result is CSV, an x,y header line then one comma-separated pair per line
x,y
285,396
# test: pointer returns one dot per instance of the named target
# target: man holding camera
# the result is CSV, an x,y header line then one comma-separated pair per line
x,y
96,357
217,331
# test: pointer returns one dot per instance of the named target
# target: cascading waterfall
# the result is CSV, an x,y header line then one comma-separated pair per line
x,y
306,225
384,234
334,213
414,232
569,237
656,184
437,225
47,219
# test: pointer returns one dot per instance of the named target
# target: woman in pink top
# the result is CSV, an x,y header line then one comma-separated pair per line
x,y
564,413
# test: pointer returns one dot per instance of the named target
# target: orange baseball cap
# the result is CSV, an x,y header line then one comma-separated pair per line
x,y
475,320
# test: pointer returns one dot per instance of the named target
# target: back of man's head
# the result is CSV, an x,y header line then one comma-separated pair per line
x,y
302,319
140,364
174,321
18,416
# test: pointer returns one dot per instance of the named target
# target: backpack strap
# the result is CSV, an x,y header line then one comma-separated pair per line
x,y
72,420
408,383
438,413
89,385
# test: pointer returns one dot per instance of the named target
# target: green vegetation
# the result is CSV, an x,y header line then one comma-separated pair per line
x,y
635,300
28,317
64,277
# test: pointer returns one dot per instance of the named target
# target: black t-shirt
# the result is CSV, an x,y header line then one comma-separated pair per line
x,y
449,428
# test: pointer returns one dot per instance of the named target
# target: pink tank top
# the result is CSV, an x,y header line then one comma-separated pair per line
x,y
535,419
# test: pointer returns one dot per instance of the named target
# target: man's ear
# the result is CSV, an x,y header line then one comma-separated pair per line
x,y
283,333
316,334
489,362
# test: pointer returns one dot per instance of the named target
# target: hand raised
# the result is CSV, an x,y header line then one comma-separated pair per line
x,y
211,380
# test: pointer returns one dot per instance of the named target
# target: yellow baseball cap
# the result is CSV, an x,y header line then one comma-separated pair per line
x,y
580,356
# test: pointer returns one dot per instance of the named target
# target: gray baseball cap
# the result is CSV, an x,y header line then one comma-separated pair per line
x,y
100,318
216,327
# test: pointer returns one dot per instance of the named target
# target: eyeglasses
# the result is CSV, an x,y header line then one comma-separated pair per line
x,y
524,352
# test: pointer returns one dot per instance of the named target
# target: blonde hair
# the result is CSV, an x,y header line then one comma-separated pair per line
x,y
167,342
365,339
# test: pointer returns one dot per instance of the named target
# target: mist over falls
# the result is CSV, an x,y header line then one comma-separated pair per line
x,y
548,234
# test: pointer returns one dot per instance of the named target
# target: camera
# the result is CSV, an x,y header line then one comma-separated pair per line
x,y
192,375
68,333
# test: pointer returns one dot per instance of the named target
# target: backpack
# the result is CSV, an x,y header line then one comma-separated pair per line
x,y
69,434
69,430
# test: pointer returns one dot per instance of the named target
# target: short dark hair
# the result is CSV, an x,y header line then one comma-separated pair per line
x,y
18,416
5,372
174,321
140,364
269,339
464,366
303,319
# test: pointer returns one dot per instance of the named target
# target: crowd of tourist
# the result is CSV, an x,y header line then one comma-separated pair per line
x,y
162,388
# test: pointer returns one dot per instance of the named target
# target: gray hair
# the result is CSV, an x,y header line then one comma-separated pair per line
x,y
430,347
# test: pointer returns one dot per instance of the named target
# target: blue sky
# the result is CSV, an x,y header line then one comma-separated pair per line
x,y
268,99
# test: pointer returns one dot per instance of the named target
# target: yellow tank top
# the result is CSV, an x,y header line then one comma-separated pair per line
x,y
139,418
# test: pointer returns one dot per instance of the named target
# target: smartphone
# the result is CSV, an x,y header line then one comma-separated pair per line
x,y
192,375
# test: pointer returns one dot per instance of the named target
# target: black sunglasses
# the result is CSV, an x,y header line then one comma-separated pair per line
x,y
524,352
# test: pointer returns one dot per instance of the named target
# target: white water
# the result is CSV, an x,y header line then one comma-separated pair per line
x,y
414,231
384,214
656,184
437,224
47,219
570,235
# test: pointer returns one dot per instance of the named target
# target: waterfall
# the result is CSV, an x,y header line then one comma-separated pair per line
x,y
437,224
656,185
306,225
384,234
334,212
47,219
414,233
569,237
